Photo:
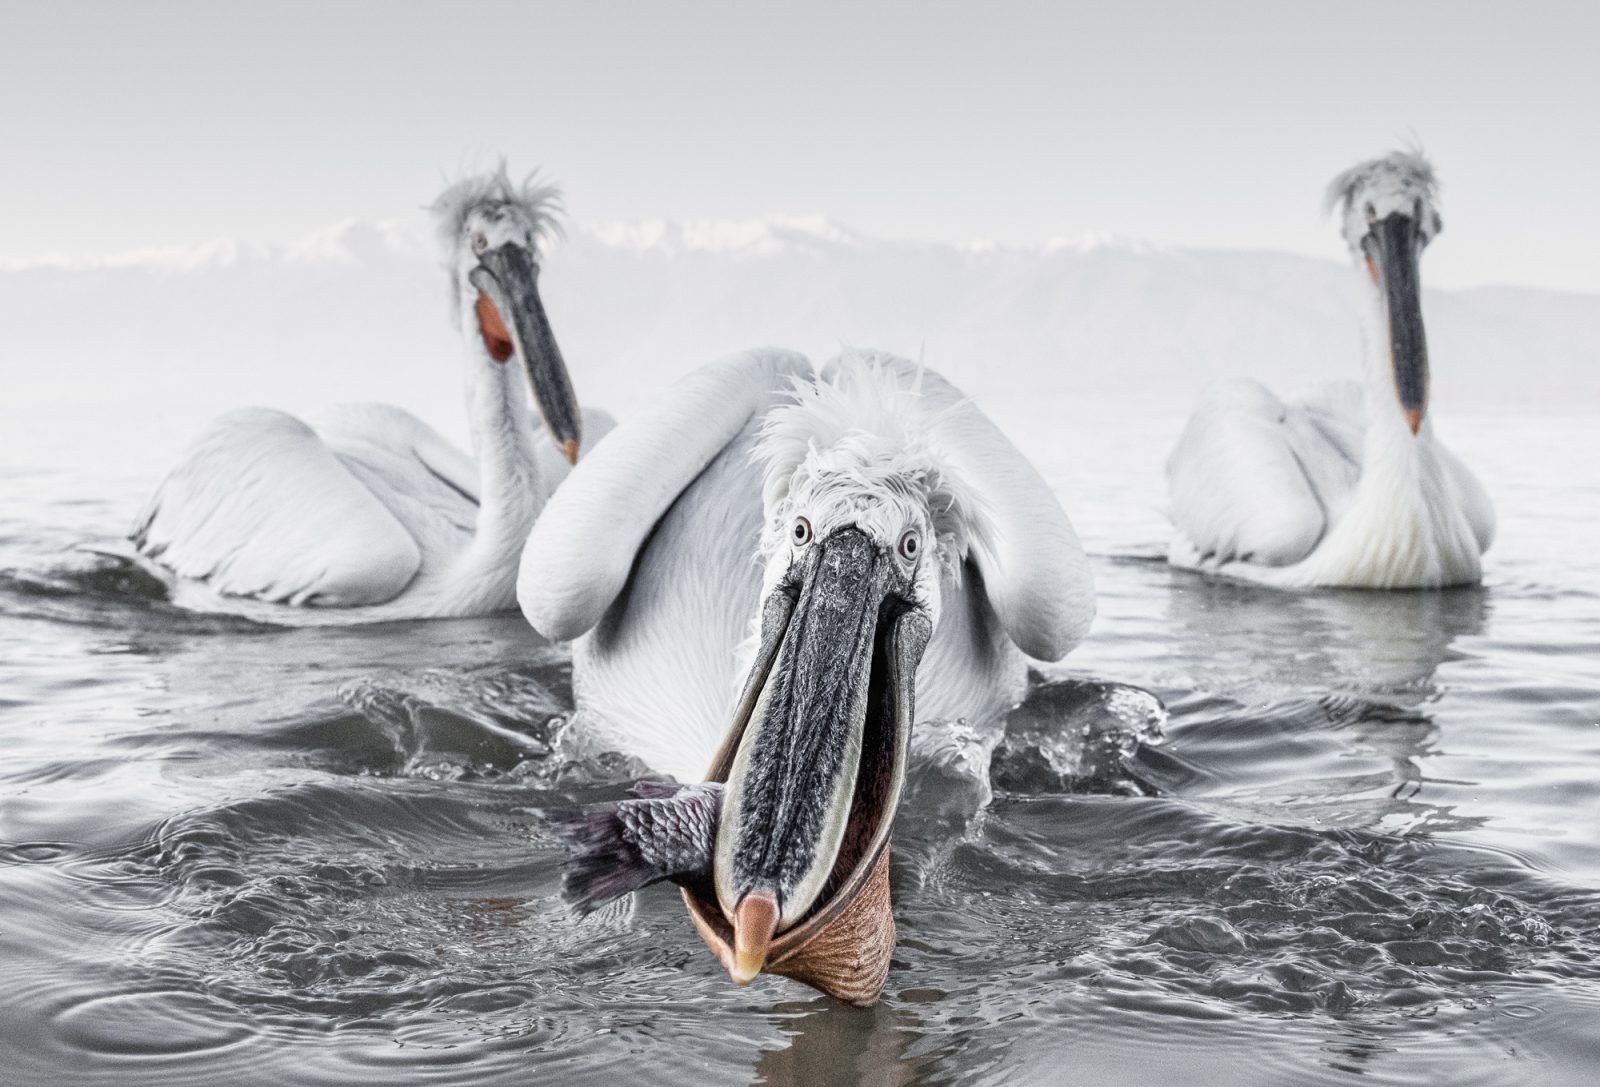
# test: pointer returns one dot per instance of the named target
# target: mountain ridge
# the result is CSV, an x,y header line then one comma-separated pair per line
x,y
359,310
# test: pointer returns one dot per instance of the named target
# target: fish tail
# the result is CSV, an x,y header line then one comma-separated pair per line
x,y
604,863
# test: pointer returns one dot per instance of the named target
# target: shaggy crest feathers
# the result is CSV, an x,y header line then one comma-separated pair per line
x,y
866,429
539,201
1407,169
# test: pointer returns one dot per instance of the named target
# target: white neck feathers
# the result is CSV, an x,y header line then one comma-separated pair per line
x,y
509,481
1405,526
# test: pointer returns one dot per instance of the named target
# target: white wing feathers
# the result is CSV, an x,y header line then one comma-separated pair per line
x,y
583,547
1255,479
427,483
260,506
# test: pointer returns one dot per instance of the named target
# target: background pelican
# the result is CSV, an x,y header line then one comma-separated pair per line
x,y
364,512
1346,484
774,575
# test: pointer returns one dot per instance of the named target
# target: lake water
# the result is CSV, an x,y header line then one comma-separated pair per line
x,y
1367,845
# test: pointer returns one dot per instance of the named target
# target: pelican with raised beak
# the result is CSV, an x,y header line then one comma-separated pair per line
x,y
772,579
1346,484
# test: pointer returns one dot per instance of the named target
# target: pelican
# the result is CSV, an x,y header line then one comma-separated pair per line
x,y
364,512
776,581
1345,485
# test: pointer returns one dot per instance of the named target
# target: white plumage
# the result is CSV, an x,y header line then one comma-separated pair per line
x,y
363,512
657,551
1335,487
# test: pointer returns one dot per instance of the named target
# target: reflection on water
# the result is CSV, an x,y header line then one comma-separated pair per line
x,y
1381,645
1342,834
825,1042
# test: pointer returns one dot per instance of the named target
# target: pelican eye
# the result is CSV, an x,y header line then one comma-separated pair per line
x,y
800,534
479,242
909,545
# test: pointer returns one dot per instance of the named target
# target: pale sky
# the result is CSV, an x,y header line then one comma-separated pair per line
x,y
126,125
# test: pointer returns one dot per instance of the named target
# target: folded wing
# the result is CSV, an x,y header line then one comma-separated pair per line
x,y
1255,479
260,506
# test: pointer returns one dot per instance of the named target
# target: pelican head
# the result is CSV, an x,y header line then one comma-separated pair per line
x,y
491,230
1388,216
863,524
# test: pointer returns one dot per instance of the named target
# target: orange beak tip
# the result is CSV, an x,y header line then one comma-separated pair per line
x,y
1414,419
569,449
755,920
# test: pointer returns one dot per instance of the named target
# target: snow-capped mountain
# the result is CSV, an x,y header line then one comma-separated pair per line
x,y
360,311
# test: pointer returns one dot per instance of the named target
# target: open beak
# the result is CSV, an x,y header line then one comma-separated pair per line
x,y
1392,250
507,279
814,766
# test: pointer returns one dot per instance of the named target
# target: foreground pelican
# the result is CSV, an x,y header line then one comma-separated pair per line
x,y
773,578
1345,485
365,512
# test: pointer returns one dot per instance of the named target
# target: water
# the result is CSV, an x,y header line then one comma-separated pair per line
x,y
1365,841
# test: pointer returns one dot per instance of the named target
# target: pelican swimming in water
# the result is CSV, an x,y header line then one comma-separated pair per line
x,y
773,579
1345,485
364,512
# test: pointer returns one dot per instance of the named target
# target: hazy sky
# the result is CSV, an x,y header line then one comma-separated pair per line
x,y
1196,124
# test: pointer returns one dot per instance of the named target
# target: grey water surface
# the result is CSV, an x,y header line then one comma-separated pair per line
x,y
1363,845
